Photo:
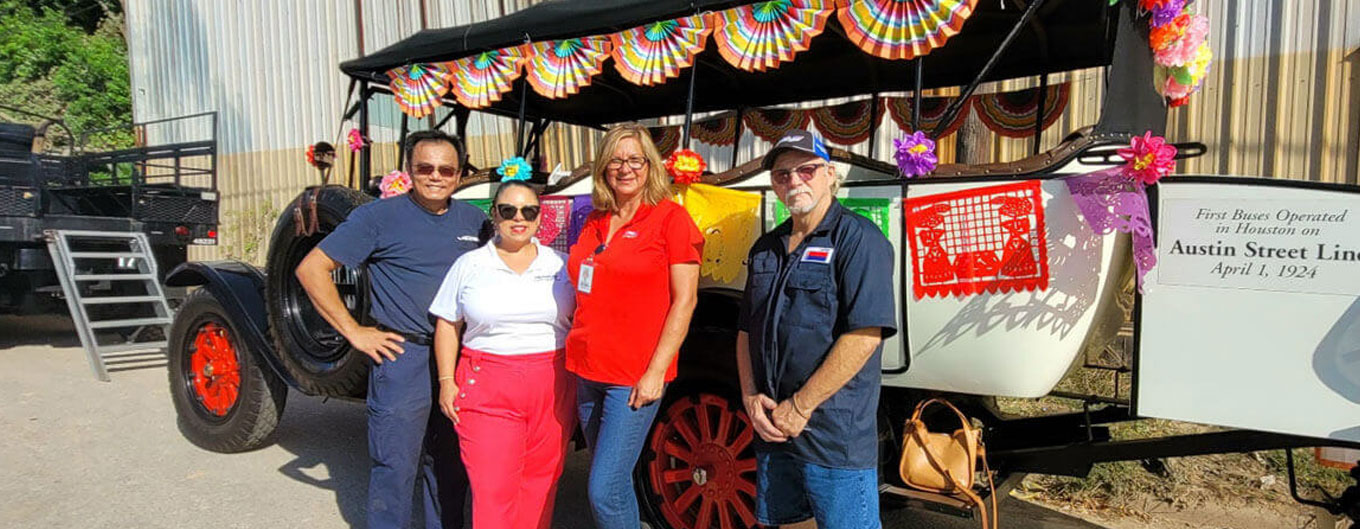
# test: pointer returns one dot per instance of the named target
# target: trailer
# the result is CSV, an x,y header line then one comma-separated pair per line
x,y
1203,340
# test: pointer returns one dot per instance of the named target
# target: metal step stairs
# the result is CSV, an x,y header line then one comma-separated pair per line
x,y
97,270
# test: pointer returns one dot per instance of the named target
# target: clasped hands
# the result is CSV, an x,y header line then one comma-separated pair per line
x,y
775,422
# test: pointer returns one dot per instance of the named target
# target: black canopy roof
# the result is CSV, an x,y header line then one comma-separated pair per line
x,y
1065,35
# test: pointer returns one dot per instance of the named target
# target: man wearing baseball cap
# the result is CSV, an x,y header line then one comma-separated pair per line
x,y
817,306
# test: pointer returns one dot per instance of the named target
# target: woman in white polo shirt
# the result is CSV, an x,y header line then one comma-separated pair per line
x,y
508,393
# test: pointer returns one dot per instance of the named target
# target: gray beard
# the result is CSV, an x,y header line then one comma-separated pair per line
x,y
799,210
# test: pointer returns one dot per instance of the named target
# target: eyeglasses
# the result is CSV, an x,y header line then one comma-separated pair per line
x,y
507,212
425,169
636,162
782,177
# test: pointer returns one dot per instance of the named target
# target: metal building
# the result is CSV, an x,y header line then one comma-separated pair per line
x,y
1282,98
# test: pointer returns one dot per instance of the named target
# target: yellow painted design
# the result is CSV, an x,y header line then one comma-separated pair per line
x,y
730,223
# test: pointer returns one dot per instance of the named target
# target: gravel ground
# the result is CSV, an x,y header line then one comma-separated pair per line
x,y
76,452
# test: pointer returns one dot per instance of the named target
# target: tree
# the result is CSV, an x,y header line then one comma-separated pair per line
x,y
51,65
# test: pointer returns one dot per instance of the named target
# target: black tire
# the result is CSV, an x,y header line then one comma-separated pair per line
x,y
16,138
253,413
656,497
313,352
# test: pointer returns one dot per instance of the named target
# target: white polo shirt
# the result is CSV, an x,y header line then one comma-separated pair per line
x,y
508,313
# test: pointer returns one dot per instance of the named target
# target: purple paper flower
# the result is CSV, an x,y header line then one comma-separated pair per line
x,y
915,154
1166,11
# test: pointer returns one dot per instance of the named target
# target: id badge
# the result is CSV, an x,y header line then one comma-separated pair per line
x,y
585,278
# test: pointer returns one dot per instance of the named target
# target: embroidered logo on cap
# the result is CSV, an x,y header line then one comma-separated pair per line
x,y
817,255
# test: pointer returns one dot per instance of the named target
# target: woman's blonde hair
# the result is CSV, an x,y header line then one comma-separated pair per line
x,y
656,188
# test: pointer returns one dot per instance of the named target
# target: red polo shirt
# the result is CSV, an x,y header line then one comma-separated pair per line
x,y
618,324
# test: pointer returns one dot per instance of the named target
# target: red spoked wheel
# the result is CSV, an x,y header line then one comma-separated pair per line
x,y
215,371
702,470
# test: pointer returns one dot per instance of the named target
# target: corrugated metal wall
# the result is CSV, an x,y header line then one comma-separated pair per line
x,y
1282,99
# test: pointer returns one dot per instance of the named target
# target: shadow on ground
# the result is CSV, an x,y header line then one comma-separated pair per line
x,y
329,440
56,331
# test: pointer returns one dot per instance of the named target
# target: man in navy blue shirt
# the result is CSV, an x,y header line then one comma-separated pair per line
x,y
408,243
817,306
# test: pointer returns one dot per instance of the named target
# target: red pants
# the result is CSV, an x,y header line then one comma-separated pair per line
x,y
516,415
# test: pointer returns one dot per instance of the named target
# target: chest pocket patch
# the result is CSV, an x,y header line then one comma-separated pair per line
x,y
809,293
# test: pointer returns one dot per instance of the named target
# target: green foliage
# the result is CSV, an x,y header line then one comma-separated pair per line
x,y
246,233
50,65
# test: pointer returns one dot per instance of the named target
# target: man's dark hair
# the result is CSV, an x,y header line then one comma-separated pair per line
x,y
409,148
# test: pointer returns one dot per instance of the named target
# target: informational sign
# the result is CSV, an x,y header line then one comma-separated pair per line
x,y
1306,246
1251,318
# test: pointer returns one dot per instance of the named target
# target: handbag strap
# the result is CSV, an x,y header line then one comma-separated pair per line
x,y
963,419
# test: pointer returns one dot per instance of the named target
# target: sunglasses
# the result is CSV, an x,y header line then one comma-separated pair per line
x,y
507,212
425,169
806,172
636,162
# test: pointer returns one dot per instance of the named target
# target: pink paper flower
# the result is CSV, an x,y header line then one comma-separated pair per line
x,y
915,154
1148,158
1177,42
395,183
356,140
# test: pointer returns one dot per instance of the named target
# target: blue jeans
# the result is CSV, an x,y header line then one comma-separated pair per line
x,y
408,438
614,433
789,491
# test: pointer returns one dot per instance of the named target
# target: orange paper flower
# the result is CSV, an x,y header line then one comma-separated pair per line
x,y
685,166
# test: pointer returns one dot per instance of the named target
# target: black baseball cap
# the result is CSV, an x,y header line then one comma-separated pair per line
x,y
796,140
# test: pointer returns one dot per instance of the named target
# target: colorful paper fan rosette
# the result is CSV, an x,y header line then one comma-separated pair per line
x,y
666,139
419,87
770,124
560,68
847,123
716,131
932,113
651,54
760,36
902,29
1011,114
479,80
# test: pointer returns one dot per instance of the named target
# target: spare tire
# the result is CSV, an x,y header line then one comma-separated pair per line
x,y
318,357
16,138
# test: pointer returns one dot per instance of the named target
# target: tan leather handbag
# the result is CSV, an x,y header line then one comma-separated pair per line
x,y
946,462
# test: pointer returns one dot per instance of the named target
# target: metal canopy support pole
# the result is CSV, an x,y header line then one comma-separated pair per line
x,y
873,125
535,137
440,124
366,155
461,114
1039,113
957,105
523,101
736,136
401,140
689,105
916,98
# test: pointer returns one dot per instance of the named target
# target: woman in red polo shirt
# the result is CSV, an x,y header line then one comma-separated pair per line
x,y
636,271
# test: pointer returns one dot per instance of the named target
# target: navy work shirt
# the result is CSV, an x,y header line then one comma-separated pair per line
x,y
408,251
797,304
